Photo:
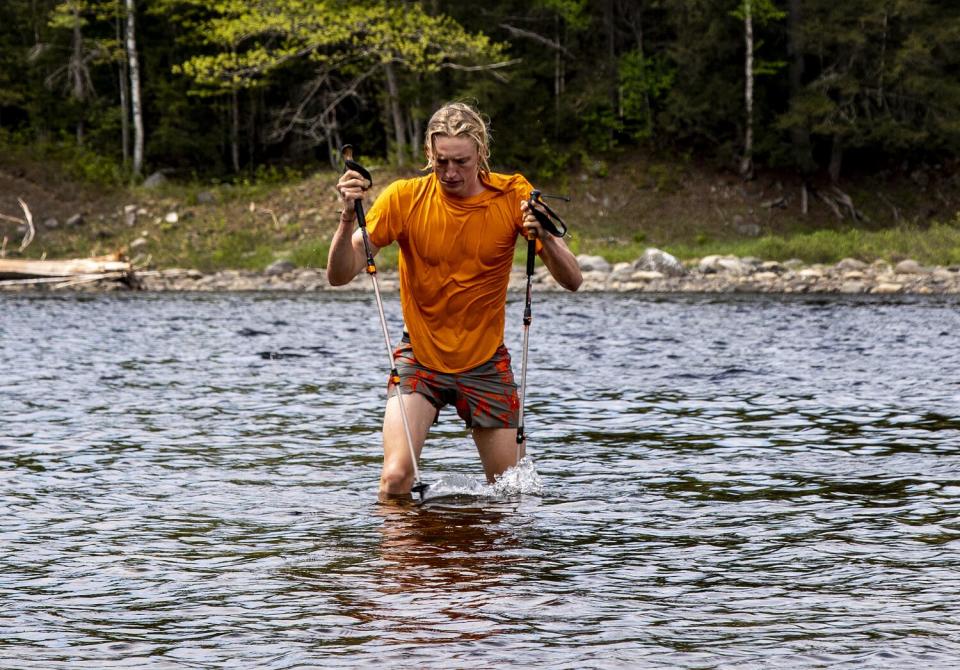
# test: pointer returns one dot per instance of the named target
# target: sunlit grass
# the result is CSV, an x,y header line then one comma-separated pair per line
x,y
938,244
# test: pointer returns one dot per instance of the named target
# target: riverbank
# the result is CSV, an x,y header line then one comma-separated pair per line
x,y
713,274
654,272
691,210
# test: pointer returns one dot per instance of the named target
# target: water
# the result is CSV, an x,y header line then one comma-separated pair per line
x,y
189,481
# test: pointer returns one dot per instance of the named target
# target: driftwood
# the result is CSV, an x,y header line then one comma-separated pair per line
x,y
63,273
839,203
26,220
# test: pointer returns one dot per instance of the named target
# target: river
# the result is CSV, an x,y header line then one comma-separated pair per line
x,y
189,481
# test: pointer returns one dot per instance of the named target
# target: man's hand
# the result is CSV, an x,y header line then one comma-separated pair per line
x,y
555,254
532,229
350,187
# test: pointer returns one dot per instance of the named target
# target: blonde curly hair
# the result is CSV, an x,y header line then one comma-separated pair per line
x,y
458,119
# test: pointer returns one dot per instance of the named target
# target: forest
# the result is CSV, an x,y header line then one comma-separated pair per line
x,y
225,86
816,93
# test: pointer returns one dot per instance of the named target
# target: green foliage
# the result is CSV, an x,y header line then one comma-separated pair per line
x,y
577,76
643,82
252,41
79,163
575,13
311,254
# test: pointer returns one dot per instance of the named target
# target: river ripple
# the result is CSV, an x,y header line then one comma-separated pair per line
x,y
188,481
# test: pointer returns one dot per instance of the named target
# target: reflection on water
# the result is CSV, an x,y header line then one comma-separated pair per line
x,y
190,481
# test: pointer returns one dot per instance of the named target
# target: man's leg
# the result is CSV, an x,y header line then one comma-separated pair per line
x,y
498,449
396,479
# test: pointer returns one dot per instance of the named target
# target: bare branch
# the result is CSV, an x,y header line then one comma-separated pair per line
x,y
484,68
28,220
31,231
289,119
536,37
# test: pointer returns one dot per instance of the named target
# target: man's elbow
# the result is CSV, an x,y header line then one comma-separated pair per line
x,y
573,282
335,278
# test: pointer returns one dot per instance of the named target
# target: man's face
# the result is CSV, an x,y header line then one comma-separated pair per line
x,y
456,162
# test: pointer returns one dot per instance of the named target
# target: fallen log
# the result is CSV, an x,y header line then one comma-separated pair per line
x,y
11,268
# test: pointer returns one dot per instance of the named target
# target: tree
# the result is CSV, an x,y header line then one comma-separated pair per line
x,y
136,104
74,75
751,12
878,78
345,45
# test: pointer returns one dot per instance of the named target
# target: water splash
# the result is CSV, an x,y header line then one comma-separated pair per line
x,y
520,479
458,485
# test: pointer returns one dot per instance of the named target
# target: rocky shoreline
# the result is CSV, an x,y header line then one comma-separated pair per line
x,y
655,272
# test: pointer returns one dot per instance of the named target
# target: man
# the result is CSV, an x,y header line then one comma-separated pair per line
x,y
456,228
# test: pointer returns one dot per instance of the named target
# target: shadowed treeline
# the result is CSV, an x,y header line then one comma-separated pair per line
x,y
815,87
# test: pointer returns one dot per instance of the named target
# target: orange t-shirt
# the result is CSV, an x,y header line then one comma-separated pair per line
x,y
455,261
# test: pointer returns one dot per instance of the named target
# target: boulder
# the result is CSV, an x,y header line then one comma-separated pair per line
x,y
850,264
156,180
730,265
655,260
621,271
279,267
593,263
708,264
908,267
852,287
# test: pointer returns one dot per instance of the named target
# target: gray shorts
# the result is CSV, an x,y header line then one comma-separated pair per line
x,y
484,396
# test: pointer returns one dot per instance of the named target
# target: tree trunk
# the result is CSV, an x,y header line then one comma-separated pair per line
x,y
252,139
746,162
396,112
610,29
558,75
638,37
76,74
124,95
836,159
416,134
235,131
799,135
136,107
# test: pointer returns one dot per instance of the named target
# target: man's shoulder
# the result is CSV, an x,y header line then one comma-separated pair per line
x,y
410,183
508,183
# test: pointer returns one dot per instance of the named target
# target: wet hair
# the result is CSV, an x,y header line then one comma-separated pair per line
x,y
458,119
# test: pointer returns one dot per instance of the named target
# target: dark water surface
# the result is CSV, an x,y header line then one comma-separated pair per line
x,y
189,481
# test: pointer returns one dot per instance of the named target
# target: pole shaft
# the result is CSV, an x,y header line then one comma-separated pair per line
x,y
394,377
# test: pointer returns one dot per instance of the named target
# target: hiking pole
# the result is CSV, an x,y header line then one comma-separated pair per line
x,y
347,152
553,224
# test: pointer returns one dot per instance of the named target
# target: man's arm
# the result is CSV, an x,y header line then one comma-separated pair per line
x,y
347,255
561,262
555,254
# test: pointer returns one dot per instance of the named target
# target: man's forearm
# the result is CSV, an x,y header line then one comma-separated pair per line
x,y
342,261
561,263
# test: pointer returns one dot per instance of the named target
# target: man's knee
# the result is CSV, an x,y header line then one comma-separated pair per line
x,y
396,478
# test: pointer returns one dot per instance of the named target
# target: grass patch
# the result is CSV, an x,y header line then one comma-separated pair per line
x,y
938,244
